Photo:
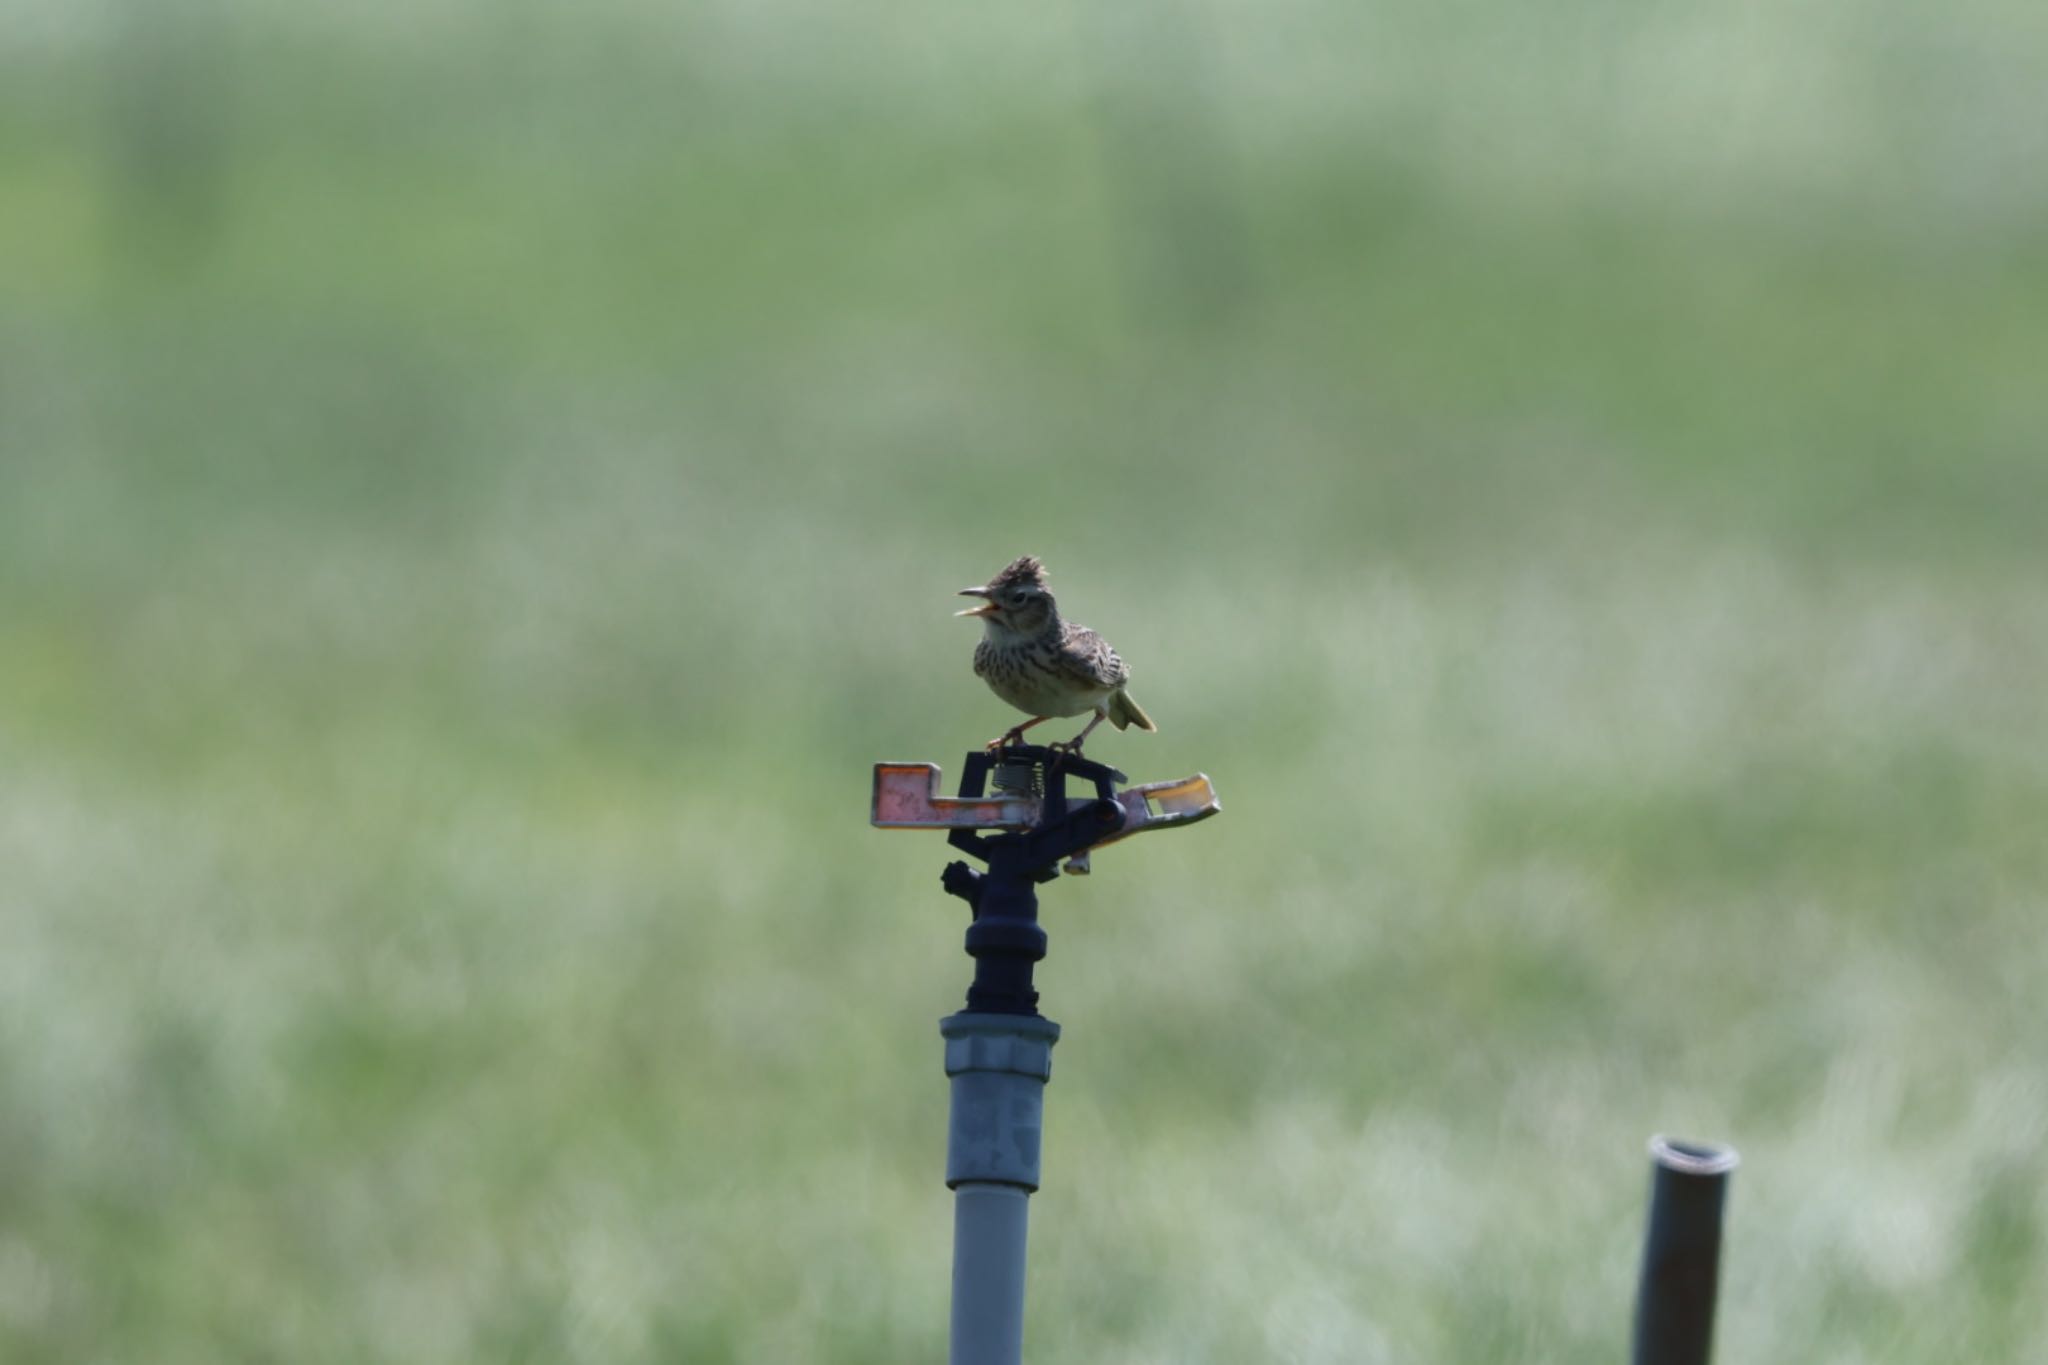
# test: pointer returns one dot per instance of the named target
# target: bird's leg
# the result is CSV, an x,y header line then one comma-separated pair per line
x,y
1073,746
1014,735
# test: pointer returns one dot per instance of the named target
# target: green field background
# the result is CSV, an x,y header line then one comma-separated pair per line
x,y
480,483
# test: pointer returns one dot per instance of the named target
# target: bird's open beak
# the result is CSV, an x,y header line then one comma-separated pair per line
x,y
985,609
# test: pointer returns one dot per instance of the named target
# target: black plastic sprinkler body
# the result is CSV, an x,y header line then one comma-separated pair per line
x,y
1005,939
1682,1252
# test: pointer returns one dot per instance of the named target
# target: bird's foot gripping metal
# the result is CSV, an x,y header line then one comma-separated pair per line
x,y
1028,794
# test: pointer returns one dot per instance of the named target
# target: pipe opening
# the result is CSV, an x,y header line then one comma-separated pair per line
x,y
1693,1158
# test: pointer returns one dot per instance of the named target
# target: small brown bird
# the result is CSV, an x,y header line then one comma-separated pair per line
x,y
1044,666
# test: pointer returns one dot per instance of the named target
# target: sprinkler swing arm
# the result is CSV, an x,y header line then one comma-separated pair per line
x,y
910,796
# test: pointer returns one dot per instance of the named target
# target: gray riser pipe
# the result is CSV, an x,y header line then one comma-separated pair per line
x,y
998,1065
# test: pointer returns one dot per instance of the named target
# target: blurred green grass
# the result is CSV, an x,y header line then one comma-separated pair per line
x,y
482,482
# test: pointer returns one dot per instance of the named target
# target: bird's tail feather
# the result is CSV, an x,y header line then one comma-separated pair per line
x,y
1124,713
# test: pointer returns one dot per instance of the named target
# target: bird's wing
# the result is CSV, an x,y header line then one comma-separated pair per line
x,y
1090,658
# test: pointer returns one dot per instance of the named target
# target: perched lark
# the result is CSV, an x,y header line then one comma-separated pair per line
x,y
1044,666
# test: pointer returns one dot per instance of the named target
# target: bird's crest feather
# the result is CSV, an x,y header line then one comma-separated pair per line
x,y
1021,570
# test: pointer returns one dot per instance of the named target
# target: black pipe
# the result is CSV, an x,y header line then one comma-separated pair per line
x,y
1682,1253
